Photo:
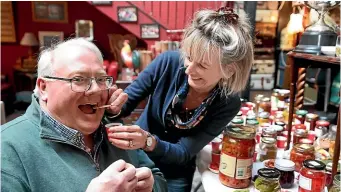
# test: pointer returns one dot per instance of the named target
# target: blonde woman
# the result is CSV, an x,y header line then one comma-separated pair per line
x,y
192,94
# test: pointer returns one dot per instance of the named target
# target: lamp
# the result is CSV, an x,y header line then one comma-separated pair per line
x,y
29,40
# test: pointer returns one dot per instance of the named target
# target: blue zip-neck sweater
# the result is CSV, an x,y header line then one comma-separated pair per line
x,y
176,148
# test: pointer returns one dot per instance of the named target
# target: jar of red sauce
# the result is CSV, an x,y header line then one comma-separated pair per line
x,y
312,177
310,121
298,135
301,152
235,169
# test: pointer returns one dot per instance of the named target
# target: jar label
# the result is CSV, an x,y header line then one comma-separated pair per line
x,y
244,168
233,167
307,125
227,165
304,182
263,152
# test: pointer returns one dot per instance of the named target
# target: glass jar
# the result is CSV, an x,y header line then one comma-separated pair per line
x,y
279,116
300,115
321,127
269,132
286,168
301,152
252,122
237,121
263,117
298,135
312,177
274,98
310,121
336,184
300,126
258,99
268,180
329,179
278,129
283,94
267,149
332,137
251,117
265,105
236,156
280,123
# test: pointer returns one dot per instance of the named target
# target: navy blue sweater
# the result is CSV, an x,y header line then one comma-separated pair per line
x,y
176,148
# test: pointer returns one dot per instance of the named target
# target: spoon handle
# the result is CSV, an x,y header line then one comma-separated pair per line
x,y
103,106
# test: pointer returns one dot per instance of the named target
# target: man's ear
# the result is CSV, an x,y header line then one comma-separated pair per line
x,y
42,89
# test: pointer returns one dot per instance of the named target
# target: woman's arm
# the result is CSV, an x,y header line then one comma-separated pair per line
x,y
187,147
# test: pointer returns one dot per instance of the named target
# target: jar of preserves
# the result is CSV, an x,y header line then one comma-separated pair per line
x,y
274,98
310,121
237,121
301,152
321,127
300,115
280,123
283,94
300,126
263,117
267,149
329,179
269,132
278,129
258,99
252,122
279,116
312,176
336,184
298,135
332,138
235,169
286,168
265,105
268,180
251,117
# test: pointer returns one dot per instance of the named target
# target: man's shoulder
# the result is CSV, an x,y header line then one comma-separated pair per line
x,y
17,128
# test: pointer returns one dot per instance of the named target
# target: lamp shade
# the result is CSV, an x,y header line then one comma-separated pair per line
x,y
29,39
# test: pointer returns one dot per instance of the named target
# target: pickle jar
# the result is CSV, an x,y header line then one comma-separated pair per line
x,y
263,117
300,115
268,180
312,176
238,147
265,105
267,148
336,184
301,152
310,121
298,135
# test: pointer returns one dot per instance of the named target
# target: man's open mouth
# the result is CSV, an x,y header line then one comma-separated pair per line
x,y
88,108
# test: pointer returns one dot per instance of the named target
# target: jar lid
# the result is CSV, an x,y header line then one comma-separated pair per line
x,y
304,147
301,132
306,141
329,166
269,130
269,173
301,112
283,91
275,90
252,122
277,127
336,180
322,123
311,116
314,164
280,123
241,132
264,115
266,99
300,126
284,165
237,120
268,140
251,116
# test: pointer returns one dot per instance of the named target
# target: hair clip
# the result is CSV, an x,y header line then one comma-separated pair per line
x,y
228,14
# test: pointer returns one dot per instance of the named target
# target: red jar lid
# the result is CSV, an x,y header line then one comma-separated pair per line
x,y
322,123
300,126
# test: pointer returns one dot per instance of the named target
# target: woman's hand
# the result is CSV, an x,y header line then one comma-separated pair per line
x,y
117,100
127,137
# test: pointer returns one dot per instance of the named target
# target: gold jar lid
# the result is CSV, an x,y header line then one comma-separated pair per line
x,y
241,132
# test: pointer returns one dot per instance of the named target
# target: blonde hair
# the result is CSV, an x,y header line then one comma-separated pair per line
x,y
210,33
46,64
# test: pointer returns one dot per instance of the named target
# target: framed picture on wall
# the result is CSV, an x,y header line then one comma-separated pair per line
x,y
102,3
48,38
84,28
150,31
50,11
127,14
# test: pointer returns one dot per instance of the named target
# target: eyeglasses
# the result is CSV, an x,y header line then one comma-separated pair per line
x,y
82,84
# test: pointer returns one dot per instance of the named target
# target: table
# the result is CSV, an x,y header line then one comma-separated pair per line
x,y
298,62
210,180
20,74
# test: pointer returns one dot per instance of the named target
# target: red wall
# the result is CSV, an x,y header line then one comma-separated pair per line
x,y
103,26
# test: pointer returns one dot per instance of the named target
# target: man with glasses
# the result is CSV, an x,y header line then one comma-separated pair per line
x,y
60,143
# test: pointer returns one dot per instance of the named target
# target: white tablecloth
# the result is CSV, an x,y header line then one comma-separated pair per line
x,y
210,180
